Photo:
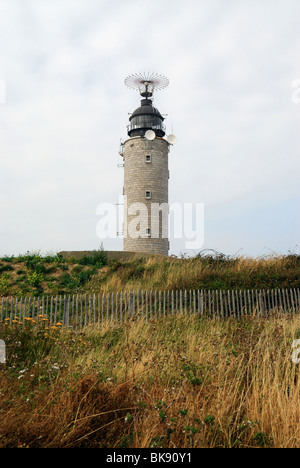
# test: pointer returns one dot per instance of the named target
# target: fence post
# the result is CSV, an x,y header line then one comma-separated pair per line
x,y
146,305
117,304
221,303
180,298
150,304
121,305
102,309
107,307
112,308
166,302
292,301
297,295
2,309
142,303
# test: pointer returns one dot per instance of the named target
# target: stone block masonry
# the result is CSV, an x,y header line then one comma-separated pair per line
x,y
146,180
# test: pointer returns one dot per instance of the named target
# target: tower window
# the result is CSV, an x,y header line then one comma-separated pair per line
x,y
147,194
148,158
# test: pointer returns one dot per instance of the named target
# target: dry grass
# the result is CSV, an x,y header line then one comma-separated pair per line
x,y
179,382
207,272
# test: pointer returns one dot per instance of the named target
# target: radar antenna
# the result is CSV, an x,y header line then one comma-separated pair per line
x,y
146,83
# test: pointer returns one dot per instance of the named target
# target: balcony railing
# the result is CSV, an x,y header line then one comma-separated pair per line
x,y
146,122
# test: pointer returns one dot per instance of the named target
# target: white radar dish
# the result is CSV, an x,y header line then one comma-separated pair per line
x,y
150,135
171,139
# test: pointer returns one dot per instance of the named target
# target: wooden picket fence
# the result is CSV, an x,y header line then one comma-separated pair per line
x,y
77,311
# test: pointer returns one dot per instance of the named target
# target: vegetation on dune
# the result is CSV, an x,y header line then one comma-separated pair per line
x,y
177,382
33,274
213,271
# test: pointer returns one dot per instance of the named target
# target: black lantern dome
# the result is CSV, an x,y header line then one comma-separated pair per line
x,y
146,117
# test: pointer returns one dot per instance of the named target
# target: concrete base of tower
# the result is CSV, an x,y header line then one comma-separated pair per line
x,y
147,245
111,254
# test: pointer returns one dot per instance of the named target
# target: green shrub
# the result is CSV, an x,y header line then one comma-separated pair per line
x,y
8,259
6,268
4,283
97,258
35,279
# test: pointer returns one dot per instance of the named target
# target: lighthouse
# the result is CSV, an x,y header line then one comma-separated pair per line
x,y
146,172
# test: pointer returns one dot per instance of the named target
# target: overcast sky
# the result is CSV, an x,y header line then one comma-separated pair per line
x,y
232,65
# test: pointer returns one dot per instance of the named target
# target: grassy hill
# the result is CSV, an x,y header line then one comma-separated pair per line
x,y
34,274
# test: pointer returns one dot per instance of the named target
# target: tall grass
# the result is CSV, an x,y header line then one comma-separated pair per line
x,y
214,271
178,382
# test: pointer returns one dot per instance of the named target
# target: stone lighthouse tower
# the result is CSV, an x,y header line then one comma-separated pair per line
x,y
146,173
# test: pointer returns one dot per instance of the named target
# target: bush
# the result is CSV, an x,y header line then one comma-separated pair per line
x,y
35,279
8,259
4,283
5,268
97,258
